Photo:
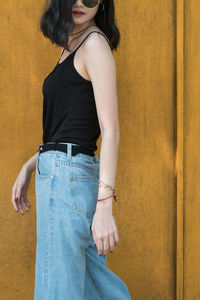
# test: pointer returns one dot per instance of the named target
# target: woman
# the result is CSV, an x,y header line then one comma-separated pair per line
x,y
74,189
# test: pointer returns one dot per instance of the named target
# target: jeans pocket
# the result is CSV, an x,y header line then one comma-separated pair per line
x,y
84,192
44,166
84,158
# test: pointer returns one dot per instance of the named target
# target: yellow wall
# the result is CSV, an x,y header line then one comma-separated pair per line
x,y
191,152
146,214
158,213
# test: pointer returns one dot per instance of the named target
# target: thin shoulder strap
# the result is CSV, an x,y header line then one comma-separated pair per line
x,y
62,51
88,35
84,40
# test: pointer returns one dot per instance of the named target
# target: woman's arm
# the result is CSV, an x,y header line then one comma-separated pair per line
x,y
108,166
100,66
30,165
20,187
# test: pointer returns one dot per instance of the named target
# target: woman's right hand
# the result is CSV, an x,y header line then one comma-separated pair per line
x,y
20,190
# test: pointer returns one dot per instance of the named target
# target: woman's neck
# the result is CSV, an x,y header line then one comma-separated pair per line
x,y
80,28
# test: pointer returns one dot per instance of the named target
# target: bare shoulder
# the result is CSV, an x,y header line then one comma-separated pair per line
x,y
98,59
94,56
97,39
100,66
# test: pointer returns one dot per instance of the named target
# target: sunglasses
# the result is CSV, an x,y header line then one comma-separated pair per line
x,y
88,3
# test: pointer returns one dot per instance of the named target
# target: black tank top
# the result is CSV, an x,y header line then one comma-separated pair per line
x,y
69,109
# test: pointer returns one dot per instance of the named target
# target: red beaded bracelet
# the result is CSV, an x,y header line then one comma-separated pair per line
x,y
108,197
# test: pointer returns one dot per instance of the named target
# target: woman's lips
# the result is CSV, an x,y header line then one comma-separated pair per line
x,y
78,13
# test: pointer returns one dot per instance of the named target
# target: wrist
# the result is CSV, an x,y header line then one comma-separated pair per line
x,y
104,204
105,196
27,168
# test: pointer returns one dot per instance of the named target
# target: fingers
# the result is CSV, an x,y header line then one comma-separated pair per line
x,y
14,202
99,244
16,199
111,242
24,202
106,243
105,236
18,196
116,237
20,205
94,237
102,245
19,200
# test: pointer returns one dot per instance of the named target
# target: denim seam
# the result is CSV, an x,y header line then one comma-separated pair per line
x,y
82,211
77,165
49,241
50,238
38,169
46,275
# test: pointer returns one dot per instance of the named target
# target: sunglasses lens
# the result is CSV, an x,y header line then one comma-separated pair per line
x,y
90,3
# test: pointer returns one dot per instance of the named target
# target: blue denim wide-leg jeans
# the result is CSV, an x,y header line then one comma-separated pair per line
x,y
67,265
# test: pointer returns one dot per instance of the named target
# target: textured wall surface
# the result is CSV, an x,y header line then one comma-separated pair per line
x,y
146,214
146,257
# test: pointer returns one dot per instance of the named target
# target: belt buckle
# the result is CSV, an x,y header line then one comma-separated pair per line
x,y
39,147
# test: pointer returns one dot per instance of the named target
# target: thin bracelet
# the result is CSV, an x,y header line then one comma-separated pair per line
x,y
108,197
104,198
101,183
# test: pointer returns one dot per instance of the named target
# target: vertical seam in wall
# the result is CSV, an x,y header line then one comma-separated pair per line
x,y
179,149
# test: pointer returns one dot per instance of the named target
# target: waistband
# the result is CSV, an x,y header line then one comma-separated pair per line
x,y
64,147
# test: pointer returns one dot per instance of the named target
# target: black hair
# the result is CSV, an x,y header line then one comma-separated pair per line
x,y
56,23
